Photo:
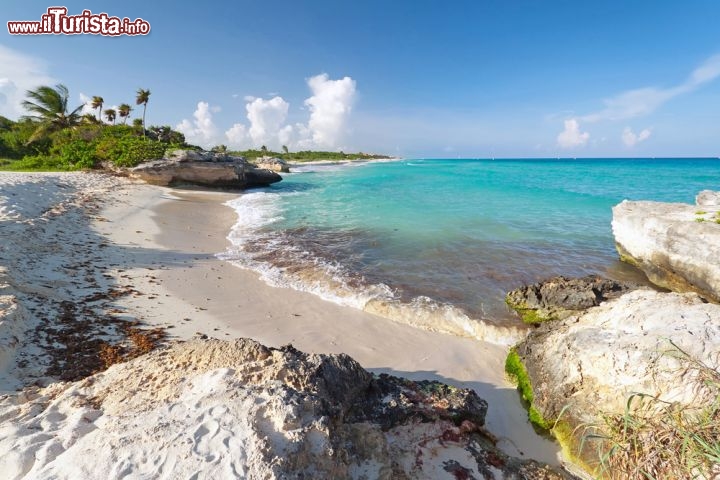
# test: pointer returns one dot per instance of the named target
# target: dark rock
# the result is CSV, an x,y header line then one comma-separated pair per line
x,y
560,297
208,169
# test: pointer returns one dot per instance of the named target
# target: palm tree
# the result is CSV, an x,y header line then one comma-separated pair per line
x,y
110,114
124,112
285,149
137,123
49,107
97,102
89,119
142,98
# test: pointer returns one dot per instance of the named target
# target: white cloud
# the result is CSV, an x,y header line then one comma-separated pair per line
x,y
330,106
237,136
19,73
630,138
266,120
202,130
643,101
572,137
87,105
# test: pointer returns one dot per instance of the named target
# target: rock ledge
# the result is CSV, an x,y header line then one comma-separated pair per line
x,y
205,169
677,245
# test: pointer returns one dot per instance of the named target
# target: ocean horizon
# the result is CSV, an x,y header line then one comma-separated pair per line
x,y
439,242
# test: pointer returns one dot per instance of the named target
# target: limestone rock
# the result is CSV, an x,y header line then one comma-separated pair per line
x,y
560,297
590,364
203,168
238,409
708,198
675,244
272,163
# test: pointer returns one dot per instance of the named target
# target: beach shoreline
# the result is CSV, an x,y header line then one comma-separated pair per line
x,y
224,301
160,244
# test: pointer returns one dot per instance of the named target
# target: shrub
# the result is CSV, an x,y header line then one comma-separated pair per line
x,y
31,163
136,150
76,154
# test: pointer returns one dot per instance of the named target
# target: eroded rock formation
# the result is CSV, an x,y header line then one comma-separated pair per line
x,y
273,164
238,409
204,168
647,342
677,245
559,297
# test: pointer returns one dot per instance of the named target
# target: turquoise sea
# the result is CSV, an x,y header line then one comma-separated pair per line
x,y
439,242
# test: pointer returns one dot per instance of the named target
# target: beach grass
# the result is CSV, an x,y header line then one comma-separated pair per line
x,y
655,439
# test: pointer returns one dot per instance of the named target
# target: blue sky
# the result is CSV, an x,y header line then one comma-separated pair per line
x,y
413,78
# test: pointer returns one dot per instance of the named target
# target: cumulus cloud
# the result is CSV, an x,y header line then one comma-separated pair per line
x,y
643,101
237,136
571,136
201,130
266,120
19,73
330,107
630,138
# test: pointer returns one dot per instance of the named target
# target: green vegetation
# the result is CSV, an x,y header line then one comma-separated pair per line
x,y
85,146
700,212
306,155
653,439
51,138
531,316
518,374
558,428
699,219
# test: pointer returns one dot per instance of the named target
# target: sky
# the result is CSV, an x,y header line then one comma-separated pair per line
x,y
476,78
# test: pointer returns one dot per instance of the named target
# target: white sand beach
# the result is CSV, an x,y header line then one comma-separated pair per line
x,y
66,237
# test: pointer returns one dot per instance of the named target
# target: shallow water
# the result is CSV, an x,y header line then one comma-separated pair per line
x,y
438,243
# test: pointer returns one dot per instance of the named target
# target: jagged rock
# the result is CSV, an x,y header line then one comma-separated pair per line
x,y
560,297
677,245
272,163
203,168
238,409
708,198
588,365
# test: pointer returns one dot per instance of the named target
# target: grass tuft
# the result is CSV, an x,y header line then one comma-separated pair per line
x,y
654,439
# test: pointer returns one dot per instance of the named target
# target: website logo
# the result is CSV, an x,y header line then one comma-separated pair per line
x,y
57,22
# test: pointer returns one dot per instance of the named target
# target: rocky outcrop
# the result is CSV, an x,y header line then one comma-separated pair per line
x,y
238,409
203,168
559,297
708,198
645,342
273,164
676,245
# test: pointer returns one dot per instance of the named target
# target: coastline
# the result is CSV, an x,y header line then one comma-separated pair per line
x,y
185,229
